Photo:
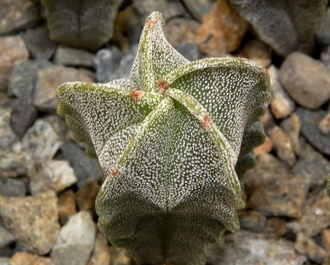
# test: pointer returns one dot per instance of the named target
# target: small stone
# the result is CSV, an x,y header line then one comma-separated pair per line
x,y
306,80
59,126
322,32
66,206
84,167
307,246
199,8
13,187
310,129
254,249
38,43
180,30
25,258
283,145
32,220
49,79
275,227
16,15
41,141
23,78
75,241
325,57
328,185
121,258
23,115
5,261
326,261
266,147
252,221
267,120
12,53
291,127
256,51
324,124
190,51
316,216
106,61
73,57
14,161
101,254
6,238
281,105
54,175
325,239
222,30
312,167
86,195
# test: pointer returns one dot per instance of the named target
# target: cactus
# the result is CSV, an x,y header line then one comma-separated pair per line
x,y
169,140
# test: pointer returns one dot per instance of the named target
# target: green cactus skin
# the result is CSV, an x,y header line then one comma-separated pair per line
x,y
169,140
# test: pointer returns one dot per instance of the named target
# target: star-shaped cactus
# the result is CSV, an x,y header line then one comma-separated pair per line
x,y
172,141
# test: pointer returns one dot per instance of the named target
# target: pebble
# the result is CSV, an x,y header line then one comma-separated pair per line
x,y
281,105
325,239
16,15
14,161
32,220
75,242
252,221
122,259
106,62
49,79
73,57
5,261
266,147
6,238
84,167
255,249
66,206
190,51
38,43
222,30
312,167
54,175
275,227
180,30
199,8
308,247
13,187
25,258
86,195
322,32
267,120
101,254
41,141
12,53
316,216
324,125
59,126
310,129
256,51
325,57
23,78
291,127
306,80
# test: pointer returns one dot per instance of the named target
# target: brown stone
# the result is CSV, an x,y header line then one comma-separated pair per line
x,y
324,124
86,195
252,221
25,258
325,239
275,227
12,53
101,254
291,127
266,147
222,30
66,206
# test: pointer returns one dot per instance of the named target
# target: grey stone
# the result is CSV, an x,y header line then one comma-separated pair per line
x,y
23,78
84,167
106,62
308,247
255,249
316,215
73,57
199,8
41,141
322,32
6,237
310,129
54,175
286,26
59,126
312,167
325,57
281,105
252,221
5,261
75,241
32,220
49,79
190,51
16,15
38,43
14,161
306,80
13,187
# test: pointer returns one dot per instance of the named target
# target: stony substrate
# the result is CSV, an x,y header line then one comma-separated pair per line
x,y
48,185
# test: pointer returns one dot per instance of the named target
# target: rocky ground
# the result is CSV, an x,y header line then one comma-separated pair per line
x,y
48,185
